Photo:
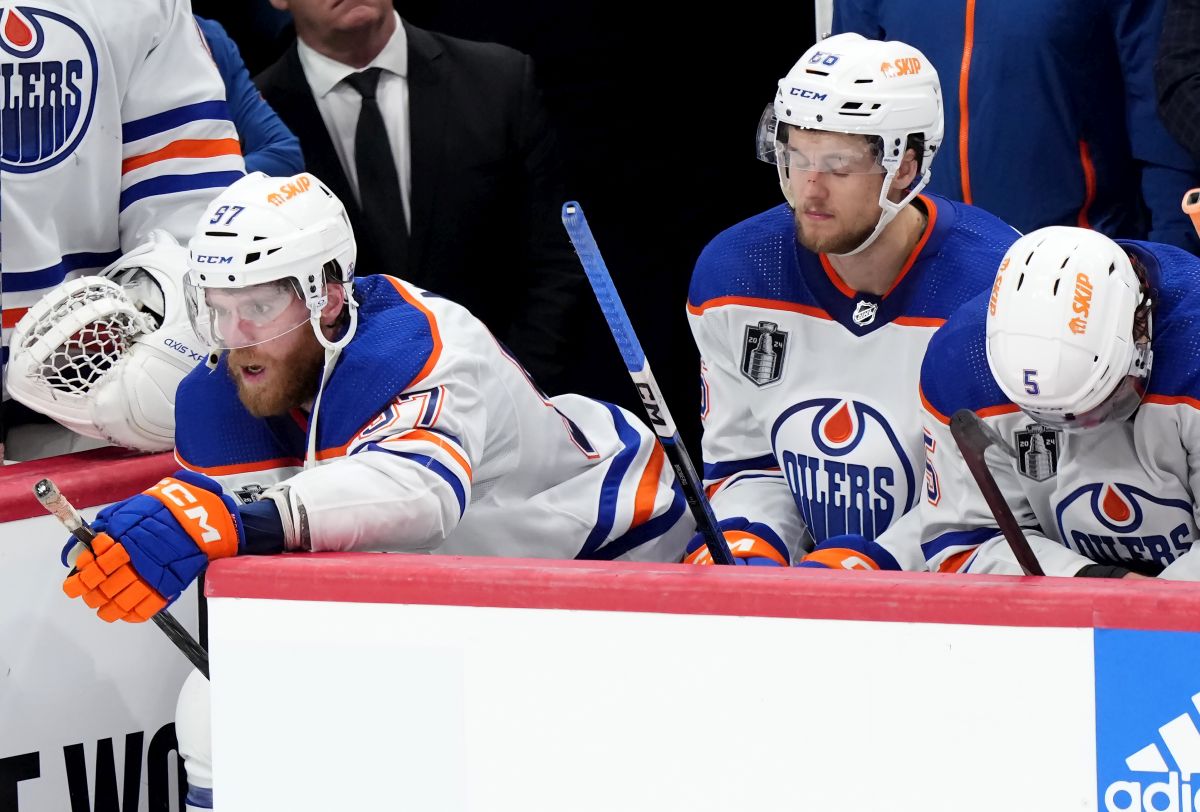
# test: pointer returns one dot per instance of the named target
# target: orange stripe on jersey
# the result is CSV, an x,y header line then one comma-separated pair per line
x,y
1179,400
987,411
917,321
643,505
767,304
243,468
716,486
420,435
835,278
930,220
930,408
184,148
1003,408
12,316
432,360
742,545
957,561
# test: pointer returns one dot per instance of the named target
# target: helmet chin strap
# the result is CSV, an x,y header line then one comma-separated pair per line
x,y
888,210
332,350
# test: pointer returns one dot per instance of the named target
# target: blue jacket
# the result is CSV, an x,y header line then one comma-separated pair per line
x,y
267,144
1050,110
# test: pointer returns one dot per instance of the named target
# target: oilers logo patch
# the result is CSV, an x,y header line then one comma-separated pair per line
x,y
763,352
1037,451
50,78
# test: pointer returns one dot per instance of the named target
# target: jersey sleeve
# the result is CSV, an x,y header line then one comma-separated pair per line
x,y
958,531
404,480
1187,566
179,147
741,474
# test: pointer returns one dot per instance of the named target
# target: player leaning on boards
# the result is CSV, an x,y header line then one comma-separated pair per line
x,y
1057,359
360,414
812,318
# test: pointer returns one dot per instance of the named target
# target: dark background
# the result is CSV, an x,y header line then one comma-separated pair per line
x,y
655,105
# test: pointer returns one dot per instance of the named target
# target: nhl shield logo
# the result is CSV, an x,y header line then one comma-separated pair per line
x,y
1037,451
864,312
763,352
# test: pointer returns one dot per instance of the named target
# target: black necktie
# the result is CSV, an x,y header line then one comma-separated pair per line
x,y
378,181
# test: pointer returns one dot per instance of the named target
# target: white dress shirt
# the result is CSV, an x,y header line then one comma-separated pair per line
x,y
340,104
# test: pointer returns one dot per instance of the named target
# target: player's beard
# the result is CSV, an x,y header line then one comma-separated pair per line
x,y
831,243
292,380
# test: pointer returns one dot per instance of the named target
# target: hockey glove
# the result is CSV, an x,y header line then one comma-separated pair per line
x,y
748,548
849,552
151,546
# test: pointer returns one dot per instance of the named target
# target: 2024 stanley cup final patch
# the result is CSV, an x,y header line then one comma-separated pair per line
x,y
763,352
1037,451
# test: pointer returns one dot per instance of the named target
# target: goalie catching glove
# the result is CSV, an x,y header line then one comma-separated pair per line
x,y
103,355
150,547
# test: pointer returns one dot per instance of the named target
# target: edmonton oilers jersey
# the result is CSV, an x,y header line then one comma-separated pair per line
x,y
113,122
810,400
1121,493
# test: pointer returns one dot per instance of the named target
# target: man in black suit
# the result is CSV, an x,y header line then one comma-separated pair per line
x,y
462,190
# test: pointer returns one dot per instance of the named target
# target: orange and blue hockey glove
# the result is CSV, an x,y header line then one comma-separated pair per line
x,y
849,552
752,544
150,547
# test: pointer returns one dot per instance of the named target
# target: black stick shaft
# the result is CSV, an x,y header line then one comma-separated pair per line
x,y
48,495
973,438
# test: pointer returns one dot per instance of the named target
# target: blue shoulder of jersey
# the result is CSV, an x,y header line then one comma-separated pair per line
x,y
959,260
755,259
955,373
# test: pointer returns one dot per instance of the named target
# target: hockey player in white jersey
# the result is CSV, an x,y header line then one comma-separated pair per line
x,y
343,414
1082,357
113,122
812,318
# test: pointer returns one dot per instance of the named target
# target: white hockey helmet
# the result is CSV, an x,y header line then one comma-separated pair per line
x,y
1061,324
849,84
103,355
268,242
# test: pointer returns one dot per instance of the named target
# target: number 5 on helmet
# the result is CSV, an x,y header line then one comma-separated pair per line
x,y
151,546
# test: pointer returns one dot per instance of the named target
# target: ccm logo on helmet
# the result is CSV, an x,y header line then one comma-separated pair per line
x,y
211,259
1082,304
289,190
809,94
181,496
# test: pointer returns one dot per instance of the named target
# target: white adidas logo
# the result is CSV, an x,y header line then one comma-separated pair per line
x,y
1183,743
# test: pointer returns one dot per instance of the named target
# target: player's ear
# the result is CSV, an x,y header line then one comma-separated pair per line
x,y
282,5
336,302
908,170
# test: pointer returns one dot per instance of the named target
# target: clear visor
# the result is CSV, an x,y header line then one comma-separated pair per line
x,y
1118,406
862,157
231,318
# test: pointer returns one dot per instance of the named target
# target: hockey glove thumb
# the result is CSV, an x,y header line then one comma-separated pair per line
x,y
849,552
153,545
748,550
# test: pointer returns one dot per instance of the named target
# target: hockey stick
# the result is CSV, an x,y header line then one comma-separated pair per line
x,y
55,503
973,437
643,378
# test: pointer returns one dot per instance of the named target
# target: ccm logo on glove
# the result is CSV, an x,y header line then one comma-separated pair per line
x,y
202,513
